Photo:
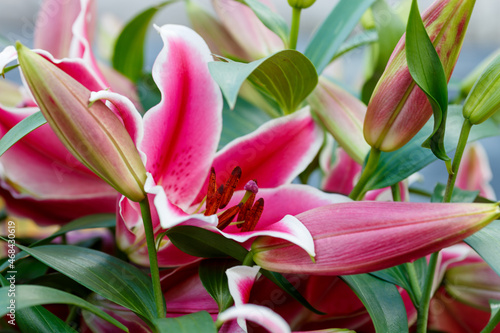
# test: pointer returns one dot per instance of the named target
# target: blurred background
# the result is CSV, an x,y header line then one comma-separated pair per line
x,y
17,19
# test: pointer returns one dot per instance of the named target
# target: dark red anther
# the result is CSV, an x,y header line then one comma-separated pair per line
x,y
228,216
230,187
253,216
213,206
212,187
245,209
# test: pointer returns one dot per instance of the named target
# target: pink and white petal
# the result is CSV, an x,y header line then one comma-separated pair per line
x,y
342,174
261,315
126,111
8,55
291,199
53,26
121,84
170,214
475,172
240,280
274,154
83,31
185,127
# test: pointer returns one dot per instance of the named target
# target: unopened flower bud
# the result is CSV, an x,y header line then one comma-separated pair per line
x,y
484,98
92,133
301,4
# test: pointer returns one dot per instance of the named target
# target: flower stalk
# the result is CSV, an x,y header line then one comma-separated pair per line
x,y
359,190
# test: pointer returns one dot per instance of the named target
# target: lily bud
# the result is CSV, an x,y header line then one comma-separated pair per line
x,y
484,98
360,237
342,115
474,284
92,133
301,4
398,108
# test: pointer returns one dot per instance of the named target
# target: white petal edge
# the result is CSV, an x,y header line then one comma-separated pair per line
x,y
258,314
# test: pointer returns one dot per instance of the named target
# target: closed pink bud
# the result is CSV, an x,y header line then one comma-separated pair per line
x,y
398,108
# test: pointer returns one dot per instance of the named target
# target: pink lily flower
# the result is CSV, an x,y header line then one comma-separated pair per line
x,y
40,179
181,136
400,232
465,284
475,172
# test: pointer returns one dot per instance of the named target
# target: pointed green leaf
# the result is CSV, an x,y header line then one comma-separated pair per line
x,y
213,277
486,243
270,19
203,243
382,300
287,76
199,322
398,165
106,275
426,69
23,128
128,54
29,295
334,30
86,222
40,320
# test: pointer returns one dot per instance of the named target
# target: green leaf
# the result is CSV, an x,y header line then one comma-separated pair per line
x,y
106,275
270,19
199,322
29,269
86,222
23,128
361,39
213,277
148,92
285,285
457,196
287,76
396,166
486,243
398,275
28,296
245,118
390,28
203,243
495,317
426,69
334,30
382,300
40,320
128,54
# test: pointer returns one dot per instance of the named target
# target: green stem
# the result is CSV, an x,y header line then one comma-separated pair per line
x,y
462,141
423,309
248,261
414,283
153,259
294,33
359,190
396,192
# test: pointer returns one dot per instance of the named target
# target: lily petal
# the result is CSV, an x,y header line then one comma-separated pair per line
x,y
359,237
274,154
258,314
184,129
240,281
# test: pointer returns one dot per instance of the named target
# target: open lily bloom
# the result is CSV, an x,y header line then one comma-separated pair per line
x,y
40,178
181,135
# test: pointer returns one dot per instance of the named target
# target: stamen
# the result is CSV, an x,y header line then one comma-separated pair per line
x,y
245,209
253,216
226,217
213,205
212,187
230,187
